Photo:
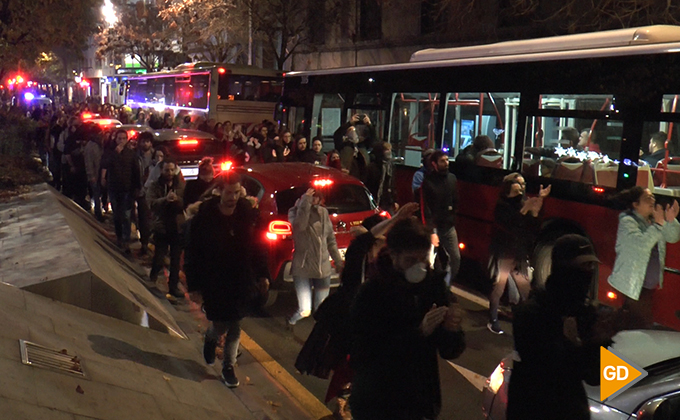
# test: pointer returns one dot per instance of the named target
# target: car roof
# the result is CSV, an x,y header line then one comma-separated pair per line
x,y
136,127
168,134
290,174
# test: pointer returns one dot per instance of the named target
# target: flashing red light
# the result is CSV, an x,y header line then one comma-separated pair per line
x,y
611,295
384,213
598,190
278,227
221,70
461,246
87,116
131,133
226,166
20,79
108,122
188,143
322,183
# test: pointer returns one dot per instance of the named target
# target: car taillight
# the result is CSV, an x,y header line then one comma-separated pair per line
x,y
87,116
226,166
188,143
385,213
131,133
279,229
322,183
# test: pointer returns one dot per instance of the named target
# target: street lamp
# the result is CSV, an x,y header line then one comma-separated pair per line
x,y
109,13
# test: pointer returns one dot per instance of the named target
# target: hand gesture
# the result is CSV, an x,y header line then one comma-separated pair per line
x,y
659,214
367,120
354,119
172,197
672,211
286,151
433,318
453,317
544,192
310,192
435,239
406,211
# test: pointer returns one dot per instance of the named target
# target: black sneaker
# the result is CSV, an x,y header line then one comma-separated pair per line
x,y
209,346
229,377
495,327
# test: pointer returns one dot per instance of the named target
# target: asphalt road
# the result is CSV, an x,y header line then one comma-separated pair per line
x,y
461,379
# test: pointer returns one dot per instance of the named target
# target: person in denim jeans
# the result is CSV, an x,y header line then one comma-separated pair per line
x,y
314,240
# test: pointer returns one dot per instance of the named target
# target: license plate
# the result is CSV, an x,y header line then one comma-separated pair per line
x,y
189,171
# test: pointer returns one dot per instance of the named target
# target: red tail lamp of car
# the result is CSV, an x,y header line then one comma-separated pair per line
x,y
221,70
279,229
188,143
384,213
611,295
87,116
461,245
320,183
226,166
131,133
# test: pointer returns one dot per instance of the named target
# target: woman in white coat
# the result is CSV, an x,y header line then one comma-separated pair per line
x,y
644,230
314,241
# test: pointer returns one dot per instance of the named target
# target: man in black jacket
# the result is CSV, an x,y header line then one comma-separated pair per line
x,y
401,318
439,201
226,268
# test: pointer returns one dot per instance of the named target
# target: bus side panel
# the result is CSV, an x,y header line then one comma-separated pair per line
x,y
667,300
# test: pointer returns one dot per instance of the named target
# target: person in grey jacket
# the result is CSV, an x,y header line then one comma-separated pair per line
x,y
314,240
93,159
641,240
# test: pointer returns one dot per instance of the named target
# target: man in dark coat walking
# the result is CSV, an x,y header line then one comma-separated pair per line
x,y
402,317
226,268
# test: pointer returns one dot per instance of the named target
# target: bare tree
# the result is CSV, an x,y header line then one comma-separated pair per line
x,y
211,30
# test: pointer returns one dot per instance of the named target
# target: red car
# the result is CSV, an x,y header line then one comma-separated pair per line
x,y
277,186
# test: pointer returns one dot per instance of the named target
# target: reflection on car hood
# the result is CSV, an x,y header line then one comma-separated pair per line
x,y
647,347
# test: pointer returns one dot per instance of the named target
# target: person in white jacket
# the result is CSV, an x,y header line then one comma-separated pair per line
x,y
314,241
644,230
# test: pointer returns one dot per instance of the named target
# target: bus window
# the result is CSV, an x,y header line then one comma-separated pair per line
x,y
249,88
657,138
412,125
586,150
490,114
327,115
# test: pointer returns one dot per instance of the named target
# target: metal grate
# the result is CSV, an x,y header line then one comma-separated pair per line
x,y
36,355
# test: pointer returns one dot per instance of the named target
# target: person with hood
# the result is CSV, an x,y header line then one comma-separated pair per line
x,y
515,226
558,337
301,152
165,198
401,318
333,160
226,268
379,179
314,241
644,230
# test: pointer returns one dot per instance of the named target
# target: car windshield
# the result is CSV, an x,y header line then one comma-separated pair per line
x,y
339,199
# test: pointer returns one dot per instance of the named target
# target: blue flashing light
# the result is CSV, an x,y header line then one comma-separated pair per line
x,y
29,96
627,162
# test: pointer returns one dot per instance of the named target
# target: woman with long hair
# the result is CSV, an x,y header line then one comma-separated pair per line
x,y
644,229
516,222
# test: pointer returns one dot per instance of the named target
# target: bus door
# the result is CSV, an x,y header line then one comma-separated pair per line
x,y
412,124
327,117
468,115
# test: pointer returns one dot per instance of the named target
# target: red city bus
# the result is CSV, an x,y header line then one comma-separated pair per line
x,y
612,89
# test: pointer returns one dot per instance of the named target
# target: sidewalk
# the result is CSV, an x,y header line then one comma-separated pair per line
x,y
128,371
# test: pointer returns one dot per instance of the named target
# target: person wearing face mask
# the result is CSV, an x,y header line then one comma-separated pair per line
x,y
314,241
558,337
402,316
644,230
379,179
316,156
515,225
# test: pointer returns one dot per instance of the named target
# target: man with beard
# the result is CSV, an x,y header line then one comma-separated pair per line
x,y
226,268
558,338
438,201
165,198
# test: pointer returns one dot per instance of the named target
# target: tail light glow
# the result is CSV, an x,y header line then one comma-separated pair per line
x,y
226,166
322,182
188,143
221,70
598,190
611,295
87,116
461,245
385,213
279,228
131,133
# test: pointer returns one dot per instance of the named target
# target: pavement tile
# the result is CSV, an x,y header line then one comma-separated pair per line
x,y
128,379
19,410
17,381
12,296
175,410
102,401
9,349
194,393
